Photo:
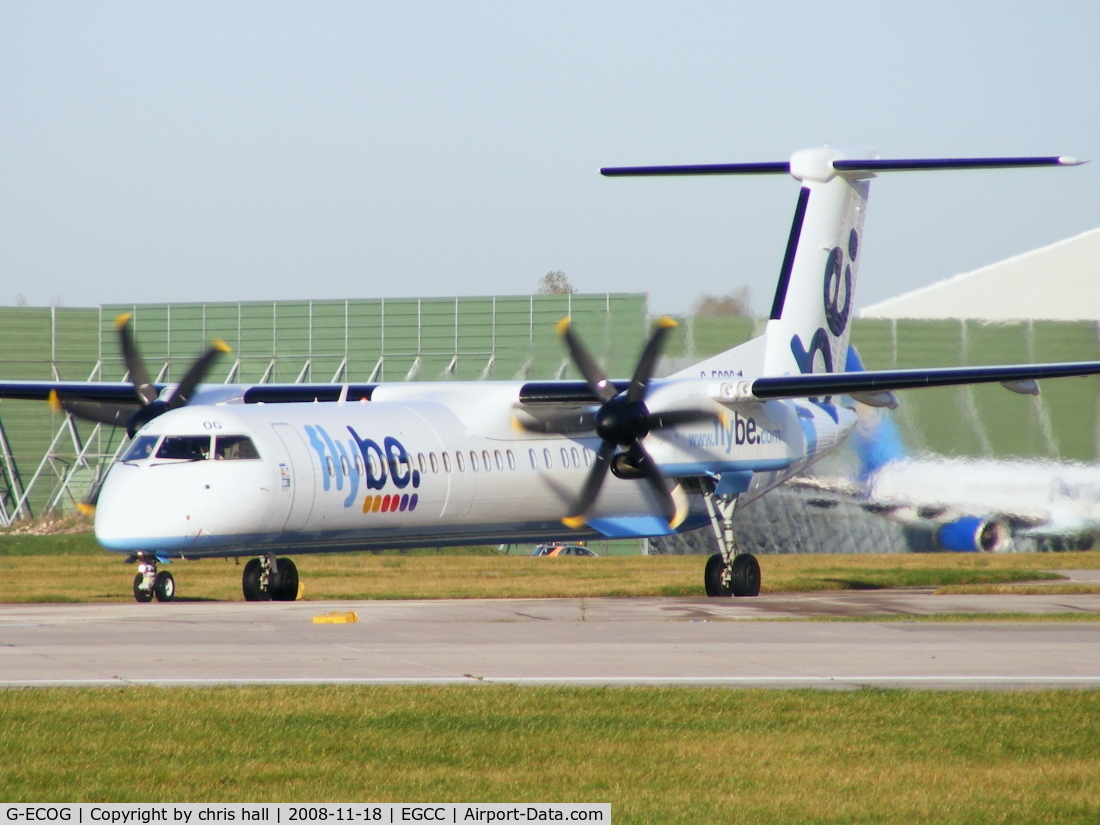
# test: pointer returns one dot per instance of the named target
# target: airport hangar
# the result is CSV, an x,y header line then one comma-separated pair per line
x,y
1027,308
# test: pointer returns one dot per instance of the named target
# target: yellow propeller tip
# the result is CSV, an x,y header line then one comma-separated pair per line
x,y
55,402
122,320
563,325
221,346
85,508
573,522
664,322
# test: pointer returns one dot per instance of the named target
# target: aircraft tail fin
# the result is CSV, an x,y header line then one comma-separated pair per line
x,y
809,321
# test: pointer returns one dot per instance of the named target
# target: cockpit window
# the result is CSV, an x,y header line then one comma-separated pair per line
x,y
189,447
141,448
234,447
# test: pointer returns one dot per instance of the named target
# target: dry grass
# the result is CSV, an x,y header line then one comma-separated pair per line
x,y
1019,590
657,755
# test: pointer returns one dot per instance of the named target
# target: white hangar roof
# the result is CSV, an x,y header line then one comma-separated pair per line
x,y
1057,282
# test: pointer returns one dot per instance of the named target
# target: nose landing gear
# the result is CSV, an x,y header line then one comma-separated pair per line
x,y
269,579
148,583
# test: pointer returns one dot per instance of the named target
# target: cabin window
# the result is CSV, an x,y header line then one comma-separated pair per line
x,y
447,462
423,462
186,447
486,463
375,464
358,465
534,459
343,465
576,458
141,448
433,462
473,461
511,460
587,453
330,467
564,457
547,459
234,448
459,463
499,460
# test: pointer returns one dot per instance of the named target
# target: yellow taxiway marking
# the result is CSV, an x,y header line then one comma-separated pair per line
x,y
336,618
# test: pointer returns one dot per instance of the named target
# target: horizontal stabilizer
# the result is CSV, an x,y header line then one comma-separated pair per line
x,y
775,168
841,165
933,164
881,381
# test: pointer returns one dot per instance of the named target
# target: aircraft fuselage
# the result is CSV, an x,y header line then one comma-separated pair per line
x,y
419,465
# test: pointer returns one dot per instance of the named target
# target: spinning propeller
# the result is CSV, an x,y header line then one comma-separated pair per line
x,y
621,421
149,405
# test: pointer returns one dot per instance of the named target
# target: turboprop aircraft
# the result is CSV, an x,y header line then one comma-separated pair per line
x,y
269,471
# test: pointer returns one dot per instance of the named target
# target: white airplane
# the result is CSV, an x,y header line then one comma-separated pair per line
x,y
269,471
973,505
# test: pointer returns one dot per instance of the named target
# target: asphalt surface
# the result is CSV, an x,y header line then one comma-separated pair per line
x,y
773,640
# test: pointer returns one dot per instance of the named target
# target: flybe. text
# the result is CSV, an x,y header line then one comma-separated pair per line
x,y
382,464
740,431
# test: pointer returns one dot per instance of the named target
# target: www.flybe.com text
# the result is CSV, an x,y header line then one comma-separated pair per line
x,y
740,431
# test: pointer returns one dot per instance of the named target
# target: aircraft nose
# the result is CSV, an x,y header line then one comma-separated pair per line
x,y
136,513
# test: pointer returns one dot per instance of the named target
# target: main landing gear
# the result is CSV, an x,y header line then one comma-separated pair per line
x,y
148,583
728,573
270,579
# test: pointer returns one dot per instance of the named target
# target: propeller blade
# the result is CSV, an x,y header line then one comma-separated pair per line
x,y
563,423
117,415
592,485
182,393
587,365
134,363
652,476
647,363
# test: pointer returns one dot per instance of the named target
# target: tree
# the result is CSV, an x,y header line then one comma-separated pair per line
x,y
714,306
555,283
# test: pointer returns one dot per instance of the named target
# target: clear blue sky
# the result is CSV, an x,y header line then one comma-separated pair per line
x,y
211,151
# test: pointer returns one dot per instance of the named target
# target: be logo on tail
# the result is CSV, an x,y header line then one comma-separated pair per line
x,y
837,304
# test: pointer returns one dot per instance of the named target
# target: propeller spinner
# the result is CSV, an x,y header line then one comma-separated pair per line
x,y
621,421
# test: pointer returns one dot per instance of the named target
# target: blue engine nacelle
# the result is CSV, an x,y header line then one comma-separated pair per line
x,y
972,534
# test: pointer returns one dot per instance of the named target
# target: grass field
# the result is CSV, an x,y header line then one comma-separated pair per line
x,y
658,755
72,568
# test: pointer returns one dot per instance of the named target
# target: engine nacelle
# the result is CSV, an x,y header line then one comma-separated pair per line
x,y
974,534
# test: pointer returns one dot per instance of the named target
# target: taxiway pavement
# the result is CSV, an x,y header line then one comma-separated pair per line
x,y
772,640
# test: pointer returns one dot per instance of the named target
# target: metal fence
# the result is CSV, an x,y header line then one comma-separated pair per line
x,y
49,461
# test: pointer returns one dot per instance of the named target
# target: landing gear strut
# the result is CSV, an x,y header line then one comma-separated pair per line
x,y
149,583
270,579
727,572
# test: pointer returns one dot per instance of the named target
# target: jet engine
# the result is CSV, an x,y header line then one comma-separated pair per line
x,y
974,534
